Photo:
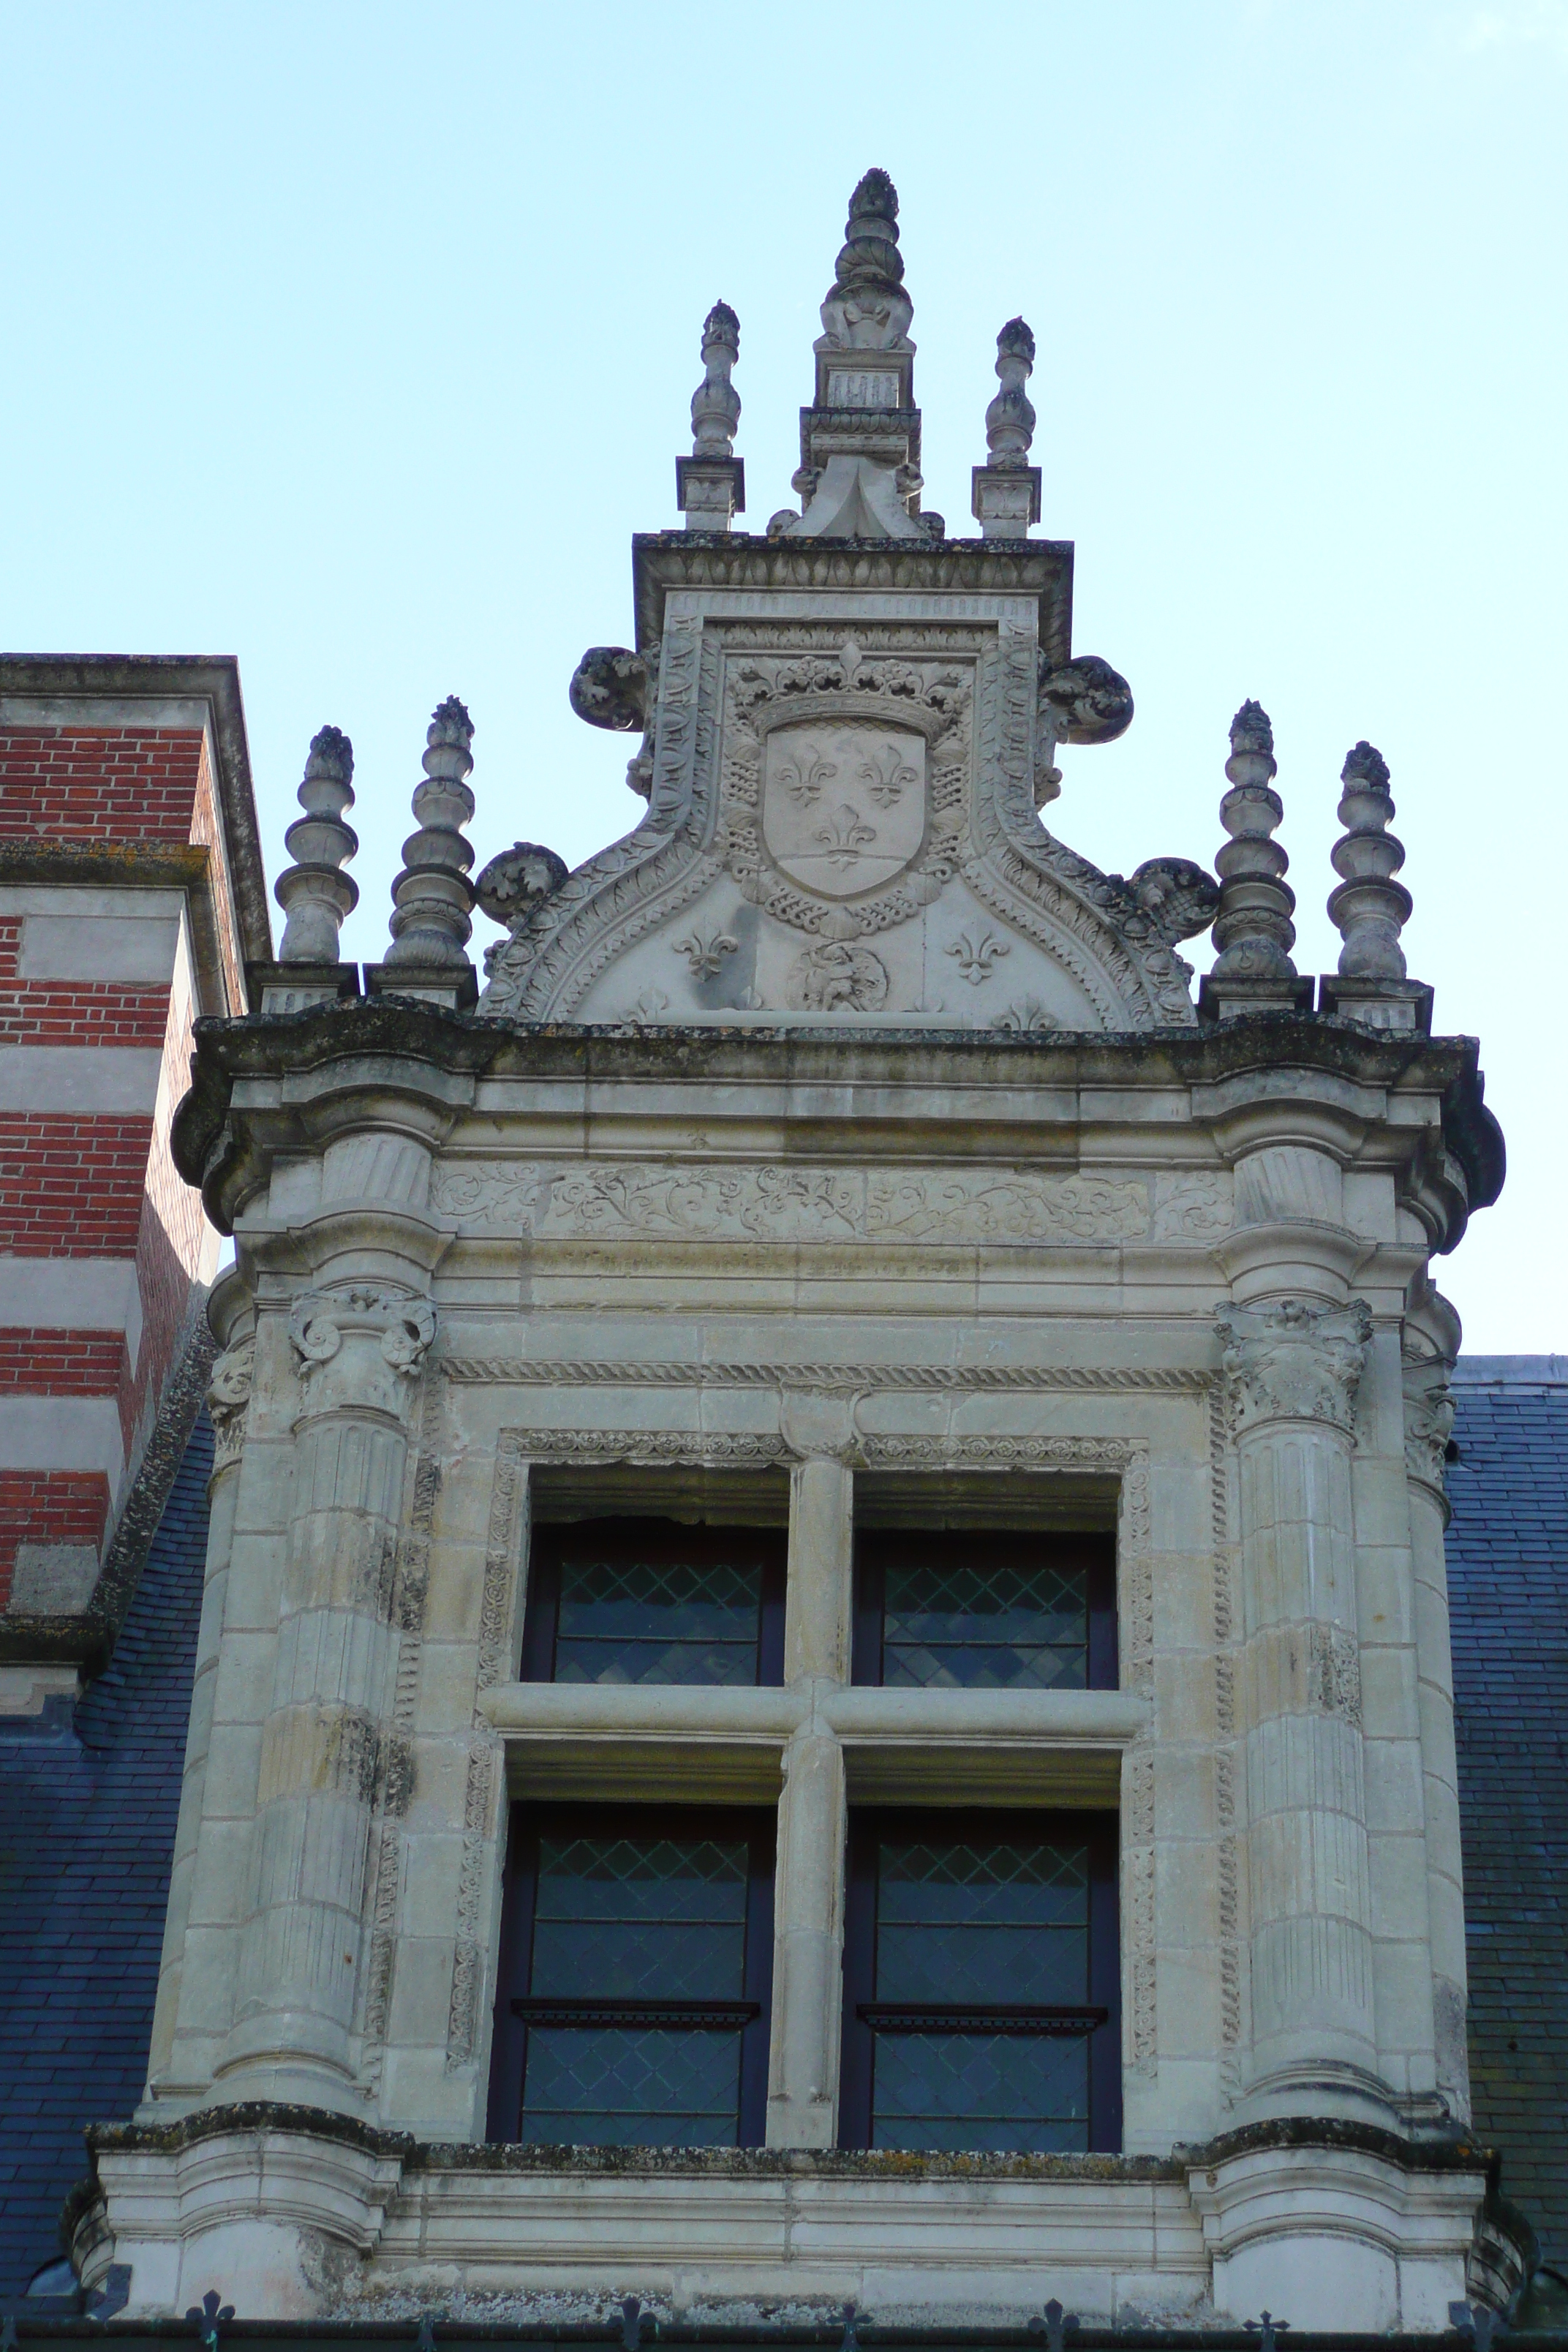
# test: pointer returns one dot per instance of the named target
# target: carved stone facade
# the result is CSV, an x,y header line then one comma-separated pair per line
x,y
838,1138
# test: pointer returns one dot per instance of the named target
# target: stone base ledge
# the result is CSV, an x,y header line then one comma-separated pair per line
x,y
291,2212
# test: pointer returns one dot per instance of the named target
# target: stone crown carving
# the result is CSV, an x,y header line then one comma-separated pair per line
x,y
1294,1362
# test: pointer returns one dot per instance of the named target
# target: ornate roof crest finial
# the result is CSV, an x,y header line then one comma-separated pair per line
x,y
715,404
314,894
866,308
860,441
432,895
711,485
1369,908
1253,929
1005,496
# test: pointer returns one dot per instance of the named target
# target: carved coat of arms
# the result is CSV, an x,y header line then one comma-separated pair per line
x,y
843,784
844,808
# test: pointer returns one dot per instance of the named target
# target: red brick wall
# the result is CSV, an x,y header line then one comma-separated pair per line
x,y
56,1507
72,1187
90,783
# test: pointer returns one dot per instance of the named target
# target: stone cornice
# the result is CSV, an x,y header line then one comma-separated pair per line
x,y
1004,1086
1041,569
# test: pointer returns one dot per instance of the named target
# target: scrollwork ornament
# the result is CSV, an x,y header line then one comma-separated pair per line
x,y
1428,1419
403,1327
1294,1362
228,1400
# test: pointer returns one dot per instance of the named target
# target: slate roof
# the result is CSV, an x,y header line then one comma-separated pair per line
x,y
86,1835
1508,1589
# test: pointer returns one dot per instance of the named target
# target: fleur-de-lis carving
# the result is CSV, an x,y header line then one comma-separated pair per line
x,y
652,1006
1026,1016
803,778
844,835
706,951
975,957
885,775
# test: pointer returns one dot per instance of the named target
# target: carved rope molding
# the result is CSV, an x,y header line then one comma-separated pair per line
x,y
521,1371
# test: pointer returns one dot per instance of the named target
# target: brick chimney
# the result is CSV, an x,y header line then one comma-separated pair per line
x,y
132,899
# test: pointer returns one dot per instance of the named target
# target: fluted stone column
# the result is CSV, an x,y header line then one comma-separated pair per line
x,y
1293,1373
228,1396
1429,1423
327,1751
809,1920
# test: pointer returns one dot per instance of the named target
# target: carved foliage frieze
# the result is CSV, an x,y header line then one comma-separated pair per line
x,y
677,1199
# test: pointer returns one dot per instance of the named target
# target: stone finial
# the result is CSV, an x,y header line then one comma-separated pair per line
x,y
869,269
715,404
1006,495
1369,908
1253,929
1010,419
711,485
860,474
432,895
314,894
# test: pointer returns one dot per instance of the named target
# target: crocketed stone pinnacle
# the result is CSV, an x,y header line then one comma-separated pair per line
x,y
432,896
314,892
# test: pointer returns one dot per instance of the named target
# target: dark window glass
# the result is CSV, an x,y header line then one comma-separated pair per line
x,y
979,1611
981,1982
648,1600
636,1967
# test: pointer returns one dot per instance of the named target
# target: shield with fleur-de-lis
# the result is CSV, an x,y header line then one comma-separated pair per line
x,y
844,805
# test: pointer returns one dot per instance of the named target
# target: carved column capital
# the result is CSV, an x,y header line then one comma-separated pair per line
x,y
1428,1418
1294,1362
364,1344
820,1425
228,1400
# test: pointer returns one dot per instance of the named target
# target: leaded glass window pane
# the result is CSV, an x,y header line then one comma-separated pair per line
x,y
649,2086
1026,2093
645,1919
639,1601
644,1620
981,1924
634,1974
981,1981
983,1622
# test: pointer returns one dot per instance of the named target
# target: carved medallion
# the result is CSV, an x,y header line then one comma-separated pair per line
x,y
838,976
844,808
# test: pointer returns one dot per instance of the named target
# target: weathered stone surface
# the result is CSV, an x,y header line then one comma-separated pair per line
x,y
838,1143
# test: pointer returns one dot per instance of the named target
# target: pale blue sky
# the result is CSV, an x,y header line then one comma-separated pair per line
x,y
356,339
